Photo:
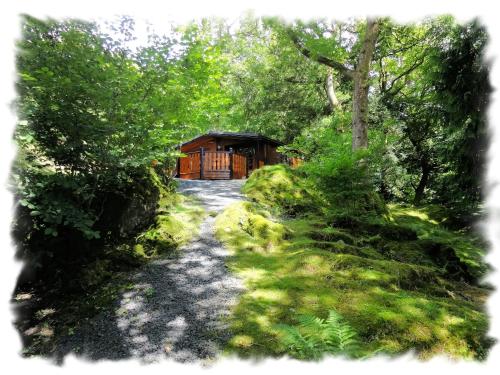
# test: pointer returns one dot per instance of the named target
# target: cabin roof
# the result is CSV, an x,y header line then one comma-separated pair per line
x,y
230,135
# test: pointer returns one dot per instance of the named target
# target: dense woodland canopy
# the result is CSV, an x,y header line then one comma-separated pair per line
x,y
98,111
380,112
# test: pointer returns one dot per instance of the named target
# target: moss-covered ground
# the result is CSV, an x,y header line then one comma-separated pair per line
x,y
403,282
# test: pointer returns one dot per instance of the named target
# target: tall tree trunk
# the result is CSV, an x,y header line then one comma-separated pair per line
x,y
359,113
359,75
424,179
361,84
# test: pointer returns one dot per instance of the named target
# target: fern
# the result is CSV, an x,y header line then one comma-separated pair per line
x,y
341,336
312,337
300,346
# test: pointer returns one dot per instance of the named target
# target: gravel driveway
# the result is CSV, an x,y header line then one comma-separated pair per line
x,y
176,306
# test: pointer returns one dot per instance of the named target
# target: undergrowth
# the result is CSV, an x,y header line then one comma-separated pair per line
x,y
313,337
177,221
400,280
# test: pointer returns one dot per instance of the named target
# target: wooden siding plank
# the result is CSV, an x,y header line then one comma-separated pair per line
x,y
215,164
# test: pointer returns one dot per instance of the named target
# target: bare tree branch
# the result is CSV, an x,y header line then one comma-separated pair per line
x,y
342,69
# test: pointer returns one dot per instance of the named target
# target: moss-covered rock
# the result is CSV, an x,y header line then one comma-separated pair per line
x,y
279,186
255,227
177,223
128,211
402,280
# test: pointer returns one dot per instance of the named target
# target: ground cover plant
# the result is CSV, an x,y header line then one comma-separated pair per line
x,y
45,315
401,283
370,245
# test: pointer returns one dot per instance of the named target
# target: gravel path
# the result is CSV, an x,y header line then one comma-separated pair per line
x,y
176,305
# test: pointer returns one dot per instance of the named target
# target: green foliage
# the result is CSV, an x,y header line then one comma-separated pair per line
x,y
437,91
463,89
313,337
95,114
404,282
86,118
55,201
346,179
278,92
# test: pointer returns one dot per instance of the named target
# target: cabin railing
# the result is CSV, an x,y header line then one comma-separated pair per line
x,y
212,165
189,166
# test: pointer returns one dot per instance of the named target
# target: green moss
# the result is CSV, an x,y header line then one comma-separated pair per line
x,y
280,187
139,250
333,234
176,224
396,302
127,254
425,222
256,231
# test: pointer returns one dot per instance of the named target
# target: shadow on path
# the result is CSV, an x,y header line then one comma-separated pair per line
x,y
175,306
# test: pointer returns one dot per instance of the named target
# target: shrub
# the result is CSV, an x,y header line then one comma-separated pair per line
x,y
346,182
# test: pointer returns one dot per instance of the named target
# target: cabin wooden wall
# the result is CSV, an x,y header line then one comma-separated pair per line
x,y
265,153
208,145
273,156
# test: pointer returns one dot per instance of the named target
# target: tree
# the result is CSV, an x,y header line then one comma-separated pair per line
x,y
359,74
463,86
279,92
406,61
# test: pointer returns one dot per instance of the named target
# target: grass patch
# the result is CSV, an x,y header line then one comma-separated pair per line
x,y
384,281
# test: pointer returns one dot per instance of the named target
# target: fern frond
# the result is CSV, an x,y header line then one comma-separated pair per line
x,y
341,337
309,322
298,345
314,336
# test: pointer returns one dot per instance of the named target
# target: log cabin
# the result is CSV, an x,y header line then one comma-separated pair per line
x,y
223,155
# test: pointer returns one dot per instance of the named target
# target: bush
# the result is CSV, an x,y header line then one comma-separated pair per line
x,y
346,182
